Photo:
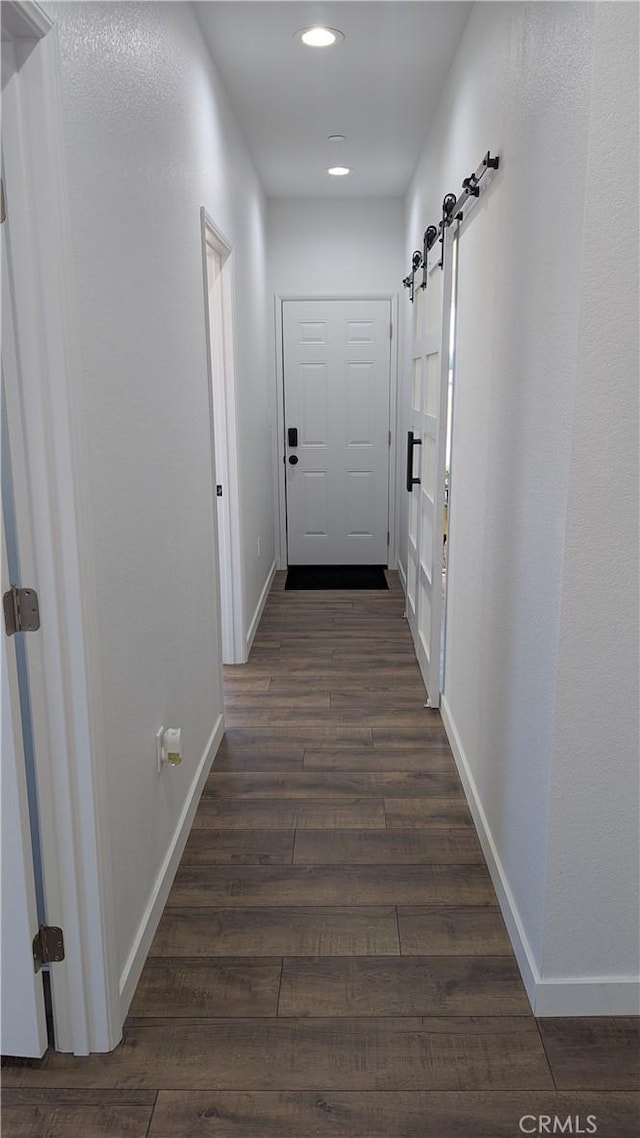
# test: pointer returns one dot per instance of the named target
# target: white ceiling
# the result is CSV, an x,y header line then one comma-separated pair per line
x,y
379,87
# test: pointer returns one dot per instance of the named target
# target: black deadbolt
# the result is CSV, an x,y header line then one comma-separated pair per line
x,y
292,435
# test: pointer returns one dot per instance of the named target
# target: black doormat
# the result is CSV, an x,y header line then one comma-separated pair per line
x,y
336,577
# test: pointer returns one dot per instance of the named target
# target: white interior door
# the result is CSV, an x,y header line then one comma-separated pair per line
x,y
428,421
22,1013
337,356
40,368
23,1028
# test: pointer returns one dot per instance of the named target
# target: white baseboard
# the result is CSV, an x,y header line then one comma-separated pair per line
x,y
588,996
149,923
579,996
253,627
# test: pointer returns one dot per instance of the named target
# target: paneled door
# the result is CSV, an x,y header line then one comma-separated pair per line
x,y
426,461
337,357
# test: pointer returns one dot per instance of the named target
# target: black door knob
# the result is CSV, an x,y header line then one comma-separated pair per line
x,y
293,459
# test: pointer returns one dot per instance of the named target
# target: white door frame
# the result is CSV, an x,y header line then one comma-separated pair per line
x,y
280,472
54,541
224,443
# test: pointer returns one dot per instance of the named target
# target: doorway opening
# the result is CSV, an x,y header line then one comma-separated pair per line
x,y
218,280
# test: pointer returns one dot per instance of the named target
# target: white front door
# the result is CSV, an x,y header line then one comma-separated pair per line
x,y
426,466
336,403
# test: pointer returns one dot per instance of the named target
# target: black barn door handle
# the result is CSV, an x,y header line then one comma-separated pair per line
x,y
411,443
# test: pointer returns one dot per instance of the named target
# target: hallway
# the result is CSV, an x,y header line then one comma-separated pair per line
x,y
332,961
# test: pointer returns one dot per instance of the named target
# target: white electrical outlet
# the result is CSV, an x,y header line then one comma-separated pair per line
x,y
168,747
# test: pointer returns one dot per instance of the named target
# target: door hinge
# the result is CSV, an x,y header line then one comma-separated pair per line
x,y
3,208
389,438
218,490
388,537
48,946
21,610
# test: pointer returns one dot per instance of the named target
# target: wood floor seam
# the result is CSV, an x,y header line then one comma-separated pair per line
x,y
280,986
551,1072
396,907
153,1110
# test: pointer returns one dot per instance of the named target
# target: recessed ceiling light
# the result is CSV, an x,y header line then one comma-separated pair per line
x,y
339,171
336,138
319,36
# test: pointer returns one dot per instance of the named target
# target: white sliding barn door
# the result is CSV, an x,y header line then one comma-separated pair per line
x,y
337,357
428,421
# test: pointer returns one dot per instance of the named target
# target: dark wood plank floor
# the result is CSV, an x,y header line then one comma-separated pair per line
x,y
332,961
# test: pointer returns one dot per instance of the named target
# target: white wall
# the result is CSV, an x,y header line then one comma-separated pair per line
x,y
347,246
320,247
591,916
521,86
149,138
